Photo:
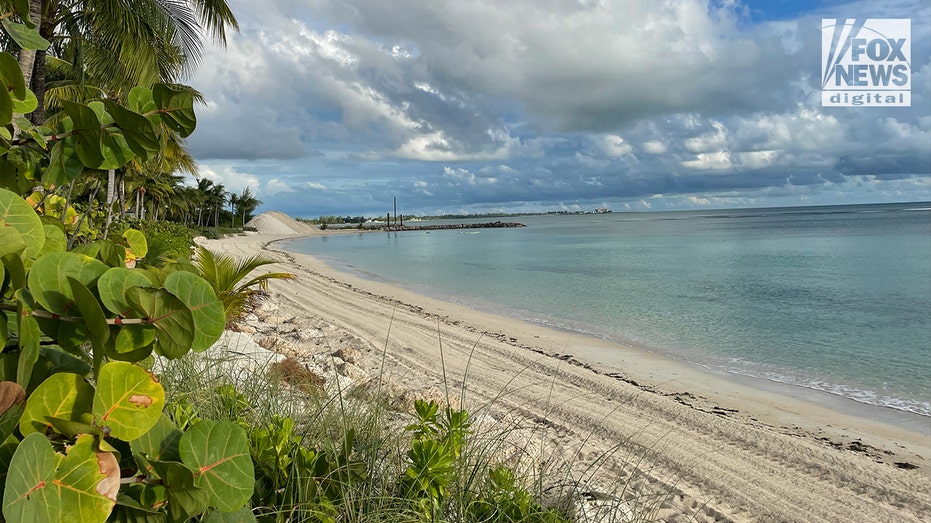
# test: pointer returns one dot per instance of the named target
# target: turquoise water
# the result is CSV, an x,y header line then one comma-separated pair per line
x,y
836,299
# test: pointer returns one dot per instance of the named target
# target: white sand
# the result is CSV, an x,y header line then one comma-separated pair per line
x,y
723,450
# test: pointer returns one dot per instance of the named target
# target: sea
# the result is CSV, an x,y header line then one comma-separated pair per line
x,y
833,299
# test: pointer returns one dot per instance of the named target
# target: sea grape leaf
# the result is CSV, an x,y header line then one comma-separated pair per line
x,y
48,278
27,37
218,451
20,216
6,107
176,109
129,400
7,449
88,136
206,309
15,271
132,337
113,285
26,105
64,164
116,152
121,346
26,497
55,240
11,241
43,485
185,498
172,319
137,130
137,242
243,515
91,313
160,443
63,395
29,338
140,100
111,253
12,404
10,72
128,510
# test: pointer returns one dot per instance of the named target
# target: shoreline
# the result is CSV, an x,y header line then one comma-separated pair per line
x,y
746,452
914,422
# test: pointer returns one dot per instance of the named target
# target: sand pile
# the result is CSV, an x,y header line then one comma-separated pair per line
x,y
276,223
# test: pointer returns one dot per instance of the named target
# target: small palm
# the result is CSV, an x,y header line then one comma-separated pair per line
x,y
226,274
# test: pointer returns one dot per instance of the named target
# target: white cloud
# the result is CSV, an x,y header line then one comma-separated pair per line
x,y
276,186
654,147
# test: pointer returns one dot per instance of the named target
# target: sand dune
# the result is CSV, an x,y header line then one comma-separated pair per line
x,y
721,450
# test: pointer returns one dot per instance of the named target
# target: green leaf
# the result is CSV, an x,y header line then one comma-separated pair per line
x,y
64,164
11,241
137,130
219,453
48,279
161,442
128,510
185,499
140,100
15,271
91,313
243,515
113,285
172,319
63,395
88,136
26,37
19,215
110,253
176,109
116,152
137,242
55,240
206,310
29,338
26,105
129,400
132,337
43,485
11,74
12,404
7,449
6,107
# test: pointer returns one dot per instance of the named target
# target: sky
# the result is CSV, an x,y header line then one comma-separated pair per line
x,y
335,107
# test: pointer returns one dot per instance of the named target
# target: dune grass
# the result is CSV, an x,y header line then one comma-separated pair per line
x,y
346,456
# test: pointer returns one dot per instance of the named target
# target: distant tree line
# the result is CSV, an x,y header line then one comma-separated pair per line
x,y
334,220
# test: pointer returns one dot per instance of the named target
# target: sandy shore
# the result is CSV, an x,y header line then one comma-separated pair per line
x,y
725,451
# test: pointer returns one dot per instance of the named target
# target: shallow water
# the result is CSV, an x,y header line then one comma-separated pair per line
x,y
836,299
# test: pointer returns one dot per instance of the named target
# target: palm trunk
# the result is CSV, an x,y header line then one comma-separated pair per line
x,y
27,57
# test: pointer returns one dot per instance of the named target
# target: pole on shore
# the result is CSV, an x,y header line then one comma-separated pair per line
x,y
395,211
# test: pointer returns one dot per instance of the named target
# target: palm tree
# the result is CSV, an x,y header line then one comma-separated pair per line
x,y
226,274
247,205
124,43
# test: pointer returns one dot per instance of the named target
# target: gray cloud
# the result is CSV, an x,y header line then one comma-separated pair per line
x,y
472,104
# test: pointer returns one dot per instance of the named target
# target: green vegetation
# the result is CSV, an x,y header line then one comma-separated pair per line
x,y
92,307
226,274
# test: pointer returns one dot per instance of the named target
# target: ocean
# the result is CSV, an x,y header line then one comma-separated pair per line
x,y
834,299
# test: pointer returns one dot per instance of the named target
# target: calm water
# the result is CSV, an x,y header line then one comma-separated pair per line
x,y
836,299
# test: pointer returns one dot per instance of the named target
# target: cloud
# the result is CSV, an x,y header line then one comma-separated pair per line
x,y
341,105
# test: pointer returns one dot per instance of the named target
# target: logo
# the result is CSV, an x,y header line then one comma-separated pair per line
x,y
866,62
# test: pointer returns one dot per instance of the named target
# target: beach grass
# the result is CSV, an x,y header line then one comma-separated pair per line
x,y
328,454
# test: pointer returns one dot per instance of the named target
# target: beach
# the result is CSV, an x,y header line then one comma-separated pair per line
x,y
720,449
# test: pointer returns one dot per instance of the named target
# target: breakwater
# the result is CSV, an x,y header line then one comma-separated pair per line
x,y
448,226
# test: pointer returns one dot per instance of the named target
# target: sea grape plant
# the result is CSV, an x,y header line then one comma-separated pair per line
x,y
82,433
